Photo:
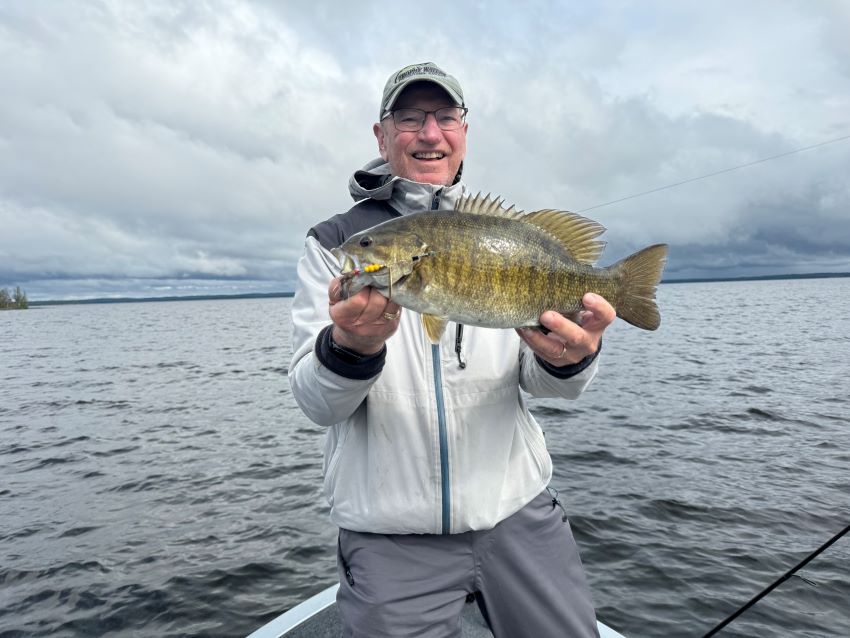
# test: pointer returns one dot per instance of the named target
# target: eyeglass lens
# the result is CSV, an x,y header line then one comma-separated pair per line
x,y
448,118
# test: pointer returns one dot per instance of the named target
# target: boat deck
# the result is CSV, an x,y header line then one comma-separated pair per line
x,y
317,618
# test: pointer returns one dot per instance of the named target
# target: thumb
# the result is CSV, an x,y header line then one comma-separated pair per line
x,y
602,313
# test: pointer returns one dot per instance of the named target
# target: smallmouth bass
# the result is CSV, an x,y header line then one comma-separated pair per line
x,y
483,264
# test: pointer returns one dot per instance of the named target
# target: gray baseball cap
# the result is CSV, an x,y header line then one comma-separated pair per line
x,y
423,72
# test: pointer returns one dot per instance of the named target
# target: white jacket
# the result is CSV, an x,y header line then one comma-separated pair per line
x,y
423,445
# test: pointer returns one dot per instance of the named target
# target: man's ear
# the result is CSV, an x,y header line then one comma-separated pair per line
x,y
378,130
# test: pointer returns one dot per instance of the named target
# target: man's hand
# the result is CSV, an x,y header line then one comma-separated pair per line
x,y
569,342
364,321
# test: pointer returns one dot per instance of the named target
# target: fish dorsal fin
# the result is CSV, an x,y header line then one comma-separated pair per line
x,y
434,327
485,205
577,234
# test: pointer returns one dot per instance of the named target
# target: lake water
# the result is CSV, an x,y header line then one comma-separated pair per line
x,y
157,478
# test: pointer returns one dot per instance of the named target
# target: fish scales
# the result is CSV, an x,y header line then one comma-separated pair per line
x,y
494,271
485,265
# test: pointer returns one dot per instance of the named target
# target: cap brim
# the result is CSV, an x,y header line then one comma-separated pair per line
x,y
397,91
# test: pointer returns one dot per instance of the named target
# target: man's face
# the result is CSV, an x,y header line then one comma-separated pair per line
x,y
430,155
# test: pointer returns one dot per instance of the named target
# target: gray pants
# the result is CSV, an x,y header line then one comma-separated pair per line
x,y
525,573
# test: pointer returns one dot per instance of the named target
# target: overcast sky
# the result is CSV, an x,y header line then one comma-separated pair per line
x,y
157,148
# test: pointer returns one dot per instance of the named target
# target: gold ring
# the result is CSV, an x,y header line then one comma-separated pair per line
x,y
563,353
392,317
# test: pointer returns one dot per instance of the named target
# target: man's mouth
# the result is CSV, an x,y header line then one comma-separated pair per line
x,y
430,155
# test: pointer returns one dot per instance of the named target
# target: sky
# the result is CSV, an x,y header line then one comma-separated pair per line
x,y
186,147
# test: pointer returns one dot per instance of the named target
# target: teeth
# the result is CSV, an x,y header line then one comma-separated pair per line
x,y
431,155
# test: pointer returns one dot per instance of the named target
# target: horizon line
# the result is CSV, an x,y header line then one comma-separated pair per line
x,y
271,295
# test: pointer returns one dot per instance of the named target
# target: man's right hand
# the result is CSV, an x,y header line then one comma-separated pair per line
x,y
362,322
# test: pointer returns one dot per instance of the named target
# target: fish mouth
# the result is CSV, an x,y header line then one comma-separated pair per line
x,y
349,265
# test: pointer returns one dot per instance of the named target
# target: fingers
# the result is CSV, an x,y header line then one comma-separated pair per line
x,y
567,341
373,307
367,307
364,320
335,292
549,347
598,313
378,310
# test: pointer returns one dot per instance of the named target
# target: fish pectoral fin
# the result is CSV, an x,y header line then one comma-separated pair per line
x,y
434,327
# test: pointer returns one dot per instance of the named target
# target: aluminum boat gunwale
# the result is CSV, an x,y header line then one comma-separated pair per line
x,y
300,618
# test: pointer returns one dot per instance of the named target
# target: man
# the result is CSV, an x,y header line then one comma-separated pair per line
x,y
435,471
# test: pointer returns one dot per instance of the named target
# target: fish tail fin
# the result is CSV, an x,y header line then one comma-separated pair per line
x,y
638,277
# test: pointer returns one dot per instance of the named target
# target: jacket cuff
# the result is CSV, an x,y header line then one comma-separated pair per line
x,y
347,363
571,369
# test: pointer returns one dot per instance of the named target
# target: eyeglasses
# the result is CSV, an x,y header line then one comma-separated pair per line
x,y
449,118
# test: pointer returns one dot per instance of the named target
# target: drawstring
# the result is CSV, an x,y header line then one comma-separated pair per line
x,y
554,493
461,361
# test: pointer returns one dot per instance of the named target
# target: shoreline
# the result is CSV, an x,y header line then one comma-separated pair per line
x,y
271,295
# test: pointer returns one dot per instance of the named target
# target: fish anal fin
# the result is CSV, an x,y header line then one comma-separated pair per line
x,y
434,327
577,234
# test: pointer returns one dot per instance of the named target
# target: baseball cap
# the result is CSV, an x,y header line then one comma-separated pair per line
x,y
423,72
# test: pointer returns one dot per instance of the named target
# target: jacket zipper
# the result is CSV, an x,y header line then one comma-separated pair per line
x,y
444,440
445,487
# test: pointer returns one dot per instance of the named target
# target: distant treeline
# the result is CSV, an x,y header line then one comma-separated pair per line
x,y
268,295
16,300
102,300
816,275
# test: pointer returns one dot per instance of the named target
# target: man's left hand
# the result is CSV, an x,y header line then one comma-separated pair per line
x,y
568,342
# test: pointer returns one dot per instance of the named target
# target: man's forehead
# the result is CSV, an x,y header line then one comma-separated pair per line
x,y
423,92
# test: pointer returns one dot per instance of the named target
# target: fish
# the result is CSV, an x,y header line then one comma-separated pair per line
x,y
487,264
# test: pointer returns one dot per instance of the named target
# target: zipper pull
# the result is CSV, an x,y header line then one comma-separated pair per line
x,y
461,361
435,203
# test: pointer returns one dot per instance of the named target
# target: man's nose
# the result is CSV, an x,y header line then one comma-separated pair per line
x,y
430,129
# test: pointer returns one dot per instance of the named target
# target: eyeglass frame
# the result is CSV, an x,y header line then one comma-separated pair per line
x,y
391,113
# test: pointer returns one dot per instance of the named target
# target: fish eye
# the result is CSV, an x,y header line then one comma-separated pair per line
x,y
365,242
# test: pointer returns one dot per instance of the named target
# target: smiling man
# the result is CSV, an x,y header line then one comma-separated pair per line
x,y
419,147
435,471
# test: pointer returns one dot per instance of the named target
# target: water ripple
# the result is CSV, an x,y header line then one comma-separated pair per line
x,y
159,478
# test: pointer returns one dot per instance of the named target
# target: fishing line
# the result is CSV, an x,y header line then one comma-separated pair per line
x,y
837,536
778,582
720,172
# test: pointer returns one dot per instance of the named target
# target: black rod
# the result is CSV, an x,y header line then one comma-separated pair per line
x,y
778,582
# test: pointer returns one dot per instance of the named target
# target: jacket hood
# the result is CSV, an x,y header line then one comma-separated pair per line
x,y
374,181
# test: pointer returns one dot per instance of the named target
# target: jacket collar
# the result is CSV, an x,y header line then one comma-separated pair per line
x,y
374,181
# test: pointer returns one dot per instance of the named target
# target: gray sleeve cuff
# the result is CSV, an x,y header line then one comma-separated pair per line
x,y
571,369
345,362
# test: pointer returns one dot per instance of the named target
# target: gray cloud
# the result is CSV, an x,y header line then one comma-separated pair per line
x,y
190,146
